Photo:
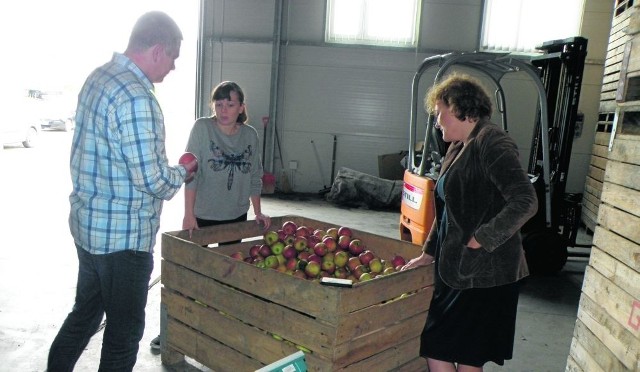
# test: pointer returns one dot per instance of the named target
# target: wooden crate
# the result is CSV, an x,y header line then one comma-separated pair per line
x,y
233,316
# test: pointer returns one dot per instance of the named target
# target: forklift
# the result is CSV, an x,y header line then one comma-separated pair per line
x,y
557,78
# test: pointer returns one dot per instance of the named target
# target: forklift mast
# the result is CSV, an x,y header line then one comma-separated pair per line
x,y
557,77
561,69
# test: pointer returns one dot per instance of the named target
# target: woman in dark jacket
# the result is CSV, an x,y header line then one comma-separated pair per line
x,y
483,197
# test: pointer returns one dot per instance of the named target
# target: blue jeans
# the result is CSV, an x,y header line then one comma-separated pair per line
x,y
115,284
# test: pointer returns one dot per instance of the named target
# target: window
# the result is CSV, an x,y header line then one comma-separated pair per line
x,y
521,25
372,22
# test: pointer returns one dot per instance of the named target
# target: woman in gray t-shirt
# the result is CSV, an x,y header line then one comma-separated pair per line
x,y
229,178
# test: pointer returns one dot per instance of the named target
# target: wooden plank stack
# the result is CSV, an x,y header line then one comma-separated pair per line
x,y
608,96
607,332
234,316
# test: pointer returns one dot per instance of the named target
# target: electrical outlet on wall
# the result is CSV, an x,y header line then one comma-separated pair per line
x,y
293,164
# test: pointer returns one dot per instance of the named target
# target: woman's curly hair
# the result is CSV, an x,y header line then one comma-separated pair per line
x,y
464,95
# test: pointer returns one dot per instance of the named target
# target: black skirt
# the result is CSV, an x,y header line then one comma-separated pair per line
x,y
470,326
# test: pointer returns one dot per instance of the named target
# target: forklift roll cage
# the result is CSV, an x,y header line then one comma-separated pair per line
x,y
556,76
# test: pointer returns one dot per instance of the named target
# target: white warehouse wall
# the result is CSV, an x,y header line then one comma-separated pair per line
x,y
361,95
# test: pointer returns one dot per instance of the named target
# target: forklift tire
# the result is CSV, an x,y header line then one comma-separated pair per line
x,y
545,251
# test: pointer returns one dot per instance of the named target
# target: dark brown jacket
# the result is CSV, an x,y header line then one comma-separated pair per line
x,y
488,195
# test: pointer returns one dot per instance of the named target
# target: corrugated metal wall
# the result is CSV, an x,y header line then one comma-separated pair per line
x,y
359,95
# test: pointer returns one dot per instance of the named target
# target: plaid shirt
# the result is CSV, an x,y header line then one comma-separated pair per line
x,y
119,167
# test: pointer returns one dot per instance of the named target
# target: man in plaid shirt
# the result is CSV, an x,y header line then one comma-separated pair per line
x,y
121,176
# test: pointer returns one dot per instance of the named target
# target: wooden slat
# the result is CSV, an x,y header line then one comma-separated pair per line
x,y
626,150
615,301
601,139
600,150
618,272
588,352
619,341
594,187
620,222
596,173
621,197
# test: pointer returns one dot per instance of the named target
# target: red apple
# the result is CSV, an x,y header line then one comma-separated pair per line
x,y
353,262
304,255
265,250
315,258
303,231
289,227
189,161
356,247
398,260
359,270
343,241
365,257
333,232
237,256
330,243
345,231
313,240
291,264
254,251
319,233
248,260
289,252
320,249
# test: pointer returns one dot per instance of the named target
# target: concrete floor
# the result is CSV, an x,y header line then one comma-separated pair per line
x,y
38,269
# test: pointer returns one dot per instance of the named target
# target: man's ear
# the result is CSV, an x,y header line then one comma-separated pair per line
x,y
156,51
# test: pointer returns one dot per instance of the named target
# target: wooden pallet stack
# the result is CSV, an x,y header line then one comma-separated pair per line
x,y
607,332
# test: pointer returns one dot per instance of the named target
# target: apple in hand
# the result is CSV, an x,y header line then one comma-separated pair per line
x,y
189,161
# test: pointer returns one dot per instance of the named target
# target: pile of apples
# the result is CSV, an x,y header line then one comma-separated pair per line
x,y
308,253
